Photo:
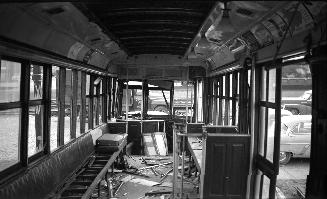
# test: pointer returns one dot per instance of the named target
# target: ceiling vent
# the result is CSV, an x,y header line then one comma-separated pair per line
x,y
244,12
54,11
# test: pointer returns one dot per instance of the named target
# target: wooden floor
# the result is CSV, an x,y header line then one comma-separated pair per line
x,y
137,186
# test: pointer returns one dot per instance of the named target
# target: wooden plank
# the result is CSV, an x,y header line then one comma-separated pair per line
x,y
196,152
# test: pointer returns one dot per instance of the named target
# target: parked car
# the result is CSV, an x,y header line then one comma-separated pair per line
x,y
295,139
298,105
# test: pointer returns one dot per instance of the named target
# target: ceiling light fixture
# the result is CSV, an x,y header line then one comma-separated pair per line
x,y
225,23
223,30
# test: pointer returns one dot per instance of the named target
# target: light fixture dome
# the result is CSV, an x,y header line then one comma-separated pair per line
x,y
223,30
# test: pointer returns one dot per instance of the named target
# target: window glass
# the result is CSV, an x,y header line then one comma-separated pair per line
x,y
305,127
262,130
223,85
199,102
265,187
87,114
10,73
9,137
263,85
94,111
79,105
54,108
87,84
295,128
270,134
68,97
36,82
272,85
100,110
230,85
35,130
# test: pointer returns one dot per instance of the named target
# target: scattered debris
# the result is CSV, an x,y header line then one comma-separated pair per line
x,y
163,176
299,192
144,182
157,192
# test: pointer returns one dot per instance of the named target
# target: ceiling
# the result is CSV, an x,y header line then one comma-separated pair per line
x,y
145,27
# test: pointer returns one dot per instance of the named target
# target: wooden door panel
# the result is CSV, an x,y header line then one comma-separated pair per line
x,y
213,174
237,170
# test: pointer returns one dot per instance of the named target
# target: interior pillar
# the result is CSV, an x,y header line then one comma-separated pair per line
x,y
317,178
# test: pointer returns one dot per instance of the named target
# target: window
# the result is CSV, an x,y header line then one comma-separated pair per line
x,y
68,97
35,130
54,131
36,110
10,113
10,81
9,137
305,127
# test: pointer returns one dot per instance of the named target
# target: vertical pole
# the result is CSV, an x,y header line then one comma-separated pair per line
x,y
172,100
196,101
175,165
186,115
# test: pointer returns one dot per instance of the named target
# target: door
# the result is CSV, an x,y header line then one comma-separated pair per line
x,y
226,166
267,130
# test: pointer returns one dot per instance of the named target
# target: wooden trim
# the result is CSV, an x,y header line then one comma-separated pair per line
x,y
277,119
73,104
24,97
113,113
220,113
47,107
234,94
215,93
10,105
21,51
195,102
227,93
268,104
97,105
91,94
83,102
110,99
61,107
104,97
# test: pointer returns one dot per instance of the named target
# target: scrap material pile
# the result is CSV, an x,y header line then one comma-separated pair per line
x,y
143,177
